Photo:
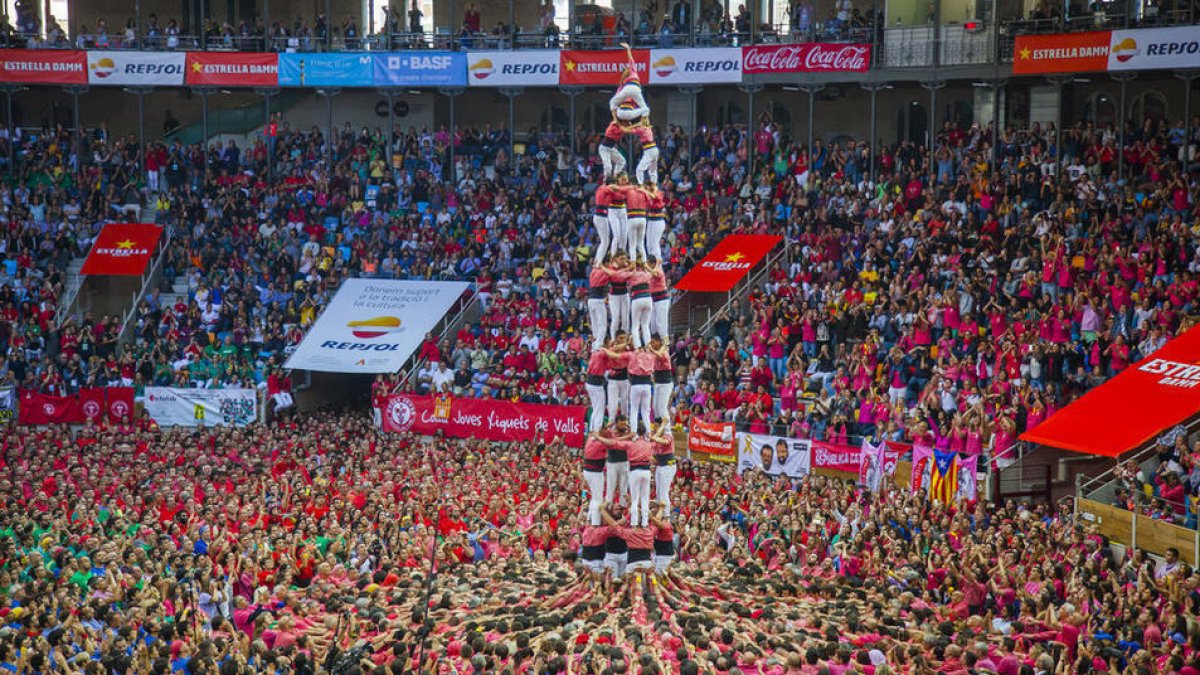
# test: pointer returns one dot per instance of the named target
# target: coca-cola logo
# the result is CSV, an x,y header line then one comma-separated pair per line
x,y
807,58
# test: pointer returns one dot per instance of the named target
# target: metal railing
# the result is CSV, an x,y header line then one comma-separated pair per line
x,y
751,282
467,309
69,295
151,273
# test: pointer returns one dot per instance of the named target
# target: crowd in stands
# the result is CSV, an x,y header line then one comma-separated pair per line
x,y
306,546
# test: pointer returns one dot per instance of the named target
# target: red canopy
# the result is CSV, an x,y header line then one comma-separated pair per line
x,y
1153,395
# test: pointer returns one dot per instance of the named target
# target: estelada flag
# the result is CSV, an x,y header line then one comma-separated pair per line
x,y
943,477
728,262
122,249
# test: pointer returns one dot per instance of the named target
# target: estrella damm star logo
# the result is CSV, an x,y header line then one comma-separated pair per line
x,y
735,257
1026,53
570,65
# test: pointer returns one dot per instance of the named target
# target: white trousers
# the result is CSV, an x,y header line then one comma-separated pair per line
x,y
639,409
616,480
618,222
612,160
660,401
282,400
595,483
604,233
639,498
663,477
640,310
647,167
631,93
660,320
655,228
618,306
596,395
637,238
598,314
618,398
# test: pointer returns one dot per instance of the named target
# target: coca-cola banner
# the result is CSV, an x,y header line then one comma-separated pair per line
x,y
812,57
486,419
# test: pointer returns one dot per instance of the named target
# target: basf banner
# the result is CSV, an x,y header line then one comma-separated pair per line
x,y
154,69
232,69
537,68
43,66
172,407
373,325
718,65
326,69
421,69
1166,48
486,419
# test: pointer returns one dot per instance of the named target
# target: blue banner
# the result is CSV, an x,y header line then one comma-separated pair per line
x,y
421,69
328,69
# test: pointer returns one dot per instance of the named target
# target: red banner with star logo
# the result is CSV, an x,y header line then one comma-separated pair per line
x,y
600,68
122,249
727,263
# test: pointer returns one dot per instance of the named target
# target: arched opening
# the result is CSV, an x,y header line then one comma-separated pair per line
x,y
1149,108
782,117
912,122
961,113
596,117
730,113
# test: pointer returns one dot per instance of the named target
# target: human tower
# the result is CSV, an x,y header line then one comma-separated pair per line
x,y
630,378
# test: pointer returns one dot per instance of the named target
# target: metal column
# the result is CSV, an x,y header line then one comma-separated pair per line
x,y
933,87
390,95
1124,79
1059,82
203,32
267,93
77,141
573,93
693,93
329,141
141,92
997,88
811,90
751,123
1188,76
873,139
9,90
204,93
453,93
511,93
267,25
512,29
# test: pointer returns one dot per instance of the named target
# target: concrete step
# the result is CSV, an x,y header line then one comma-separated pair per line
x,y
180,288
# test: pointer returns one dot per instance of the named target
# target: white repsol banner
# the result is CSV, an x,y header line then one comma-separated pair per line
x,y
373,326
715,65
138,68
1154,48
170,406
538,68
776,455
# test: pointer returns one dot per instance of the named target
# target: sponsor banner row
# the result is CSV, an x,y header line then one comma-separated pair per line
x,y
717,65
175,407
484,419
373,325
794,457
1107,50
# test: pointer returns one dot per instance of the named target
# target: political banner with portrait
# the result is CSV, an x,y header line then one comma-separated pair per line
x,y
8,405
774,455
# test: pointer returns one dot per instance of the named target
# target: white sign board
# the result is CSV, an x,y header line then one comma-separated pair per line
x,y
374,325
774,455
175,407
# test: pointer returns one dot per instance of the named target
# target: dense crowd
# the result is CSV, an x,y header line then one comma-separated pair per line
x,y
307,547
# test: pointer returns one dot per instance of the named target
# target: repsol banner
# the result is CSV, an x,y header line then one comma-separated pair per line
x,y
373,325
